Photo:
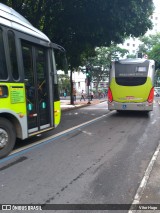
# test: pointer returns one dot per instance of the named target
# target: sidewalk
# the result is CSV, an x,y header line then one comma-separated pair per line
x,y
65,104
149,189
148,193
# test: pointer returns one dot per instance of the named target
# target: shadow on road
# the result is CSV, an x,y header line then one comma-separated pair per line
x,y
132,114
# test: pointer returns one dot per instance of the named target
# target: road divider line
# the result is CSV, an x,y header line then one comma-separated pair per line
x,y
46,140
153,122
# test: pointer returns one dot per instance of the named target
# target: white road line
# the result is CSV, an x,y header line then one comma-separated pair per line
x,y
61,133
144,181
153,122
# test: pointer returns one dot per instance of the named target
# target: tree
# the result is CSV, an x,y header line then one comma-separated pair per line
x,y
155,55
148,42
82,25
131,56
100,64
151,47
87,24
64,83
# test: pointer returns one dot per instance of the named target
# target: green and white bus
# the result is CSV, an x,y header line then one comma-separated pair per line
x,y
29,97
131,85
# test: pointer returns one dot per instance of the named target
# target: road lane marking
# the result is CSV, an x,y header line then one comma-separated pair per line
x,y
145,179
153,122
87,133
50,139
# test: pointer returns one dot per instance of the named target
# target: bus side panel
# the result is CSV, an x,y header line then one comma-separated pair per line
x,y
13,104
57,113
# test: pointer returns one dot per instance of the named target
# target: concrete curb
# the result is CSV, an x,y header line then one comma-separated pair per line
x,y
79,106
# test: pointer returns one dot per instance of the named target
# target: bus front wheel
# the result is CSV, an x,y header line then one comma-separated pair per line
x,y
7,137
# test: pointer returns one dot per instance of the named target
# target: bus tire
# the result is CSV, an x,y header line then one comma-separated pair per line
x,y
7,137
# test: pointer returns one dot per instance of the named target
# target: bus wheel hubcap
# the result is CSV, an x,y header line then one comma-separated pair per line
x,y
3,138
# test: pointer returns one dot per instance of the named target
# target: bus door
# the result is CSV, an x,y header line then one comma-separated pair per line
x,y
37,87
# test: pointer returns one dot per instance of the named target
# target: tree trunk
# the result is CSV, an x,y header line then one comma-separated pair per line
x,y
71,93
97,89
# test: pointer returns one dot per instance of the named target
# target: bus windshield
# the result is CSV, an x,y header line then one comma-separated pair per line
x,y
133,70
131,74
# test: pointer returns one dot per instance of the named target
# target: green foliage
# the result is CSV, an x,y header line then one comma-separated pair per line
x,y
82,25
33,11
151,47
131,56
155,55
149,42
64,83
101,62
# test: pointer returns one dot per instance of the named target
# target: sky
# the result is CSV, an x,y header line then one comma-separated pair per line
x,y
157,5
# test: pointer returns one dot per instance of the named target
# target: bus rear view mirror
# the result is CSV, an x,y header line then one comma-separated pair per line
x,y
62,59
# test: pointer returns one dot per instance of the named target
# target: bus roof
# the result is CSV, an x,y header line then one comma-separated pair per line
x,y
11,18
133,60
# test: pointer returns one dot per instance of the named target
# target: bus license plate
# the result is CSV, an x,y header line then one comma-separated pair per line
x,y
124,106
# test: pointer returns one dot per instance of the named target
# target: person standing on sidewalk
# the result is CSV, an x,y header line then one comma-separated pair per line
x,y
82,96
74,94
65,94
91,94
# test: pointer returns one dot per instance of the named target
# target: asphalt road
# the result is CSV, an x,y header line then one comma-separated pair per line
x,y
101,161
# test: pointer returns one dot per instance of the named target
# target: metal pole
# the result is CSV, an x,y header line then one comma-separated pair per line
x,y
88,96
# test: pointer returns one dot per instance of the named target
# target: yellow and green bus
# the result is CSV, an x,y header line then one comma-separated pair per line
x,y
131,85
29,97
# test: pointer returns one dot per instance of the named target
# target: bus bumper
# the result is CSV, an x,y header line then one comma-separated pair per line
x,y
145,106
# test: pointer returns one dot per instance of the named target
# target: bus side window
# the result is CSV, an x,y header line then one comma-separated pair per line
x,y
13,55
3,66
56,88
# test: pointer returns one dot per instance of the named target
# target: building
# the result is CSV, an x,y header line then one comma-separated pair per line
x,y
79,82
132,44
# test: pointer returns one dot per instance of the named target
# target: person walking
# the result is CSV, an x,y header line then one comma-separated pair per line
x,y
82,96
